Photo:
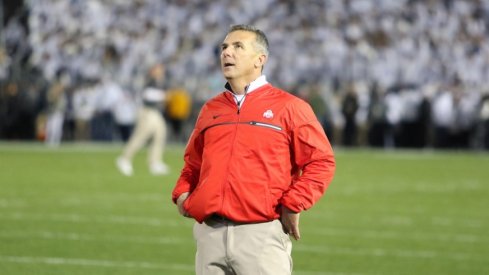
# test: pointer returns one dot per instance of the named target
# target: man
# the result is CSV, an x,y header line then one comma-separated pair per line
x,y
256,158
150,125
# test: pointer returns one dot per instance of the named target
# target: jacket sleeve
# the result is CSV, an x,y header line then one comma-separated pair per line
x,y
189,176
312,157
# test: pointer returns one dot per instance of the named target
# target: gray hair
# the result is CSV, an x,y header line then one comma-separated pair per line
x,y
261,38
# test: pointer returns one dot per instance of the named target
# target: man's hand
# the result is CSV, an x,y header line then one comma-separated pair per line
x,y
180,202
290,222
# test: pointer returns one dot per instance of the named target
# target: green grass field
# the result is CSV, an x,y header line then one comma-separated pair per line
x,y
69,211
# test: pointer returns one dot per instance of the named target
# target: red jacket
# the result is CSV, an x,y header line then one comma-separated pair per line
x,y
245,164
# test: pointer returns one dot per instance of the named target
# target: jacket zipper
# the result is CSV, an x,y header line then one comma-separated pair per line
x,y
256,123
218,124
253,123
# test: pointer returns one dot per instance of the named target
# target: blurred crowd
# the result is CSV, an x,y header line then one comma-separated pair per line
x,y
405,73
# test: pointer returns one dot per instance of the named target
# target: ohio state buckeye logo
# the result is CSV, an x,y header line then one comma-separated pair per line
x,y
268,114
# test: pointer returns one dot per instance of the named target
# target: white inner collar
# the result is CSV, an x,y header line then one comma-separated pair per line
x,y
254,85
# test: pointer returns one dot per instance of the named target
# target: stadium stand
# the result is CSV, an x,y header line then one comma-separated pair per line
x,y
418,69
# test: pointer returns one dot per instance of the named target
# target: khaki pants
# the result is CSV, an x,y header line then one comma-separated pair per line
x,y
242,249
150,125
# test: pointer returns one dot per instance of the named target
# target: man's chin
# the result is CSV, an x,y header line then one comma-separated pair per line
x,y
227,76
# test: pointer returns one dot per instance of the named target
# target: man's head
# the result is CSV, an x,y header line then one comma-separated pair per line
x,y
244,52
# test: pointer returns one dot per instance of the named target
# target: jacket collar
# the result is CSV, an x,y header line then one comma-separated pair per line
x,y
254,85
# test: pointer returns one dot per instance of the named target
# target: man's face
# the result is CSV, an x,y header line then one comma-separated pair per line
x,y
239,56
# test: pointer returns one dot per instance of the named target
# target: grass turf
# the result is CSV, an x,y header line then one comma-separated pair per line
x,y
68,211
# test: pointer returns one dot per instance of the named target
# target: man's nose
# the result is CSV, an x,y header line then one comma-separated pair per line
x,y
226,52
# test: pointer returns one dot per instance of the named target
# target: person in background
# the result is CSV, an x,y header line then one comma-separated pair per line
x,y
255,160
178,110
150,125
84,107
376,117
56,112
454,116
313,96
484,121
349,110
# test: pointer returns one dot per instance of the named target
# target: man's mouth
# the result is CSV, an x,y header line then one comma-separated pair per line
x,y
227,64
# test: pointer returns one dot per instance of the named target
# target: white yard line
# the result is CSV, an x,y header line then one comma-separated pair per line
x,y
77,218
405,220
92,262
74,236
381,252
119,264
12,203
303,272
103,200
383,234
422,187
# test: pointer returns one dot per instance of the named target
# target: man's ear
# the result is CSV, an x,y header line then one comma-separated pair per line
x,y
260,61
